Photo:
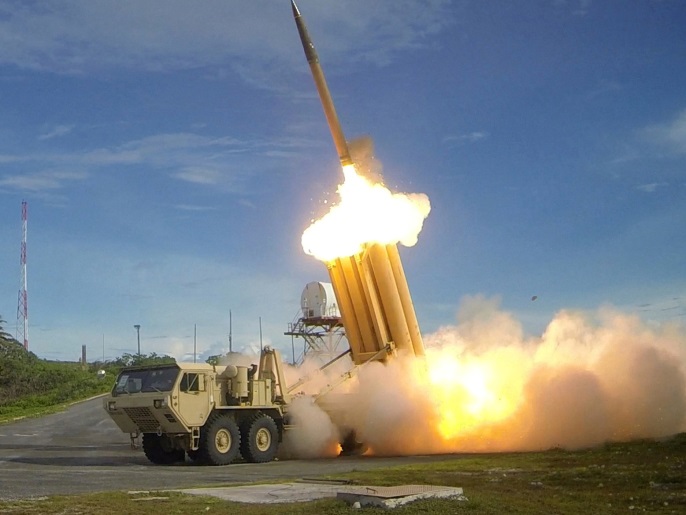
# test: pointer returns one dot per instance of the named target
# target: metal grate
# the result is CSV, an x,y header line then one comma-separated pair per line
x,y
143,418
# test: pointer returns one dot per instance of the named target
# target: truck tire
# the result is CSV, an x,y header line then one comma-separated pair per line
x,y
260,439
158,449
219,440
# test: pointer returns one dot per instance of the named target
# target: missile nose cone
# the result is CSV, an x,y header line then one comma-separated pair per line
x,y
296,12
308,46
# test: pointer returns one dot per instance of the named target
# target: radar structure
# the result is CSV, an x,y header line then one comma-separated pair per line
x,y
319,324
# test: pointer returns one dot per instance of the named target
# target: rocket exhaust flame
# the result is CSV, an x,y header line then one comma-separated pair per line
x,y
366,213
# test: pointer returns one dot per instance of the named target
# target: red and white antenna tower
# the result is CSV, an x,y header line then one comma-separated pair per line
x,y
22,304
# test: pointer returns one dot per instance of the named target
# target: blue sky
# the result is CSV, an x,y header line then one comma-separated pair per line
x,y
172,153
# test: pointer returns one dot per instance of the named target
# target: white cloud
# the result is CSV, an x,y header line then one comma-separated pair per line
x,y
199,175
603,88
650,187
576,7
4,158
671,134
41,181
57,131
72,36
247,203
470,137
204,160
185,149
190,207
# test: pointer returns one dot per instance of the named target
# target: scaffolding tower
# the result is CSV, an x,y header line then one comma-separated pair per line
x,y
320,325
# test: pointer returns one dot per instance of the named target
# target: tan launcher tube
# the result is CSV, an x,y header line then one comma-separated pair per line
x,y
375,303
406,299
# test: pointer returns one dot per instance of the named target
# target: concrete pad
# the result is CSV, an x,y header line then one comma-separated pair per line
x,y
393,496
270,494
387,497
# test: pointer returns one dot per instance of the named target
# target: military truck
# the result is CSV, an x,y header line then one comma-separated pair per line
x,y
211,413
216,414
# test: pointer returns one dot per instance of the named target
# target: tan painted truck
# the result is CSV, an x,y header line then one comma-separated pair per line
x,y
210,413
215,414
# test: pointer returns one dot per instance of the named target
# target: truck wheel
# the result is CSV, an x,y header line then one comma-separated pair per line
x,y
219,440
158,449
260,439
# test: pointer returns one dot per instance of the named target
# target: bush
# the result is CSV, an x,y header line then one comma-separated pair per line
x,y
29,384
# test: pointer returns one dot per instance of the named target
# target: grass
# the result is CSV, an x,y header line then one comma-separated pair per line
x,y
15,413
638,477
29,409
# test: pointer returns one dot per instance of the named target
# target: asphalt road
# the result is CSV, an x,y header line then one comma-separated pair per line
x,y
81,450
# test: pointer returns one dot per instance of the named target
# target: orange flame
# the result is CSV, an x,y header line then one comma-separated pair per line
x,y
470,394
367,213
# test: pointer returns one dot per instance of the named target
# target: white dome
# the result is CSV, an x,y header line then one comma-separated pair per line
x,y
319,301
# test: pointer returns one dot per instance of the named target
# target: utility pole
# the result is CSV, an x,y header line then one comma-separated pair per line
x,y
230,334
138,331
260,335
22,334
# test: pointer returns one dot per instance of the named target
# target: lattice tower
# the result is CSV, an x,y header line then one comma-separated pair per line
x,y
22,303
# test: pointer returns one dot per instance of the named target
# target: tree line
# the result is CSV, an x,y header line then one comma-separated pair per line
x,y
28,382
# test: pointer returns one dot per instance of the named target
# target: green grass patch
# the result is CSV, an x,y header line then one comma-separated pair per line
x,y
636,477
77,386
38,406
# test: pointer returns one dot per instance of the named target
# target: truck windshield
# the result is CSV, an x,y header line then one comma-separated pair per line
x,y
155,380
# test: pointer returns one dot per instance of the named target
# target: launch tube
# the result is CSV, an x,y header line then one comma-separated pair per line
x,y
360,301
371,294
406,299
345,305
390,300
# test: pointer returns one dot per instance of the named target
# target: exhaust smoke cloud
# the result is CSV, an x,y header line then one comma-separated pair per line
x,y
590,378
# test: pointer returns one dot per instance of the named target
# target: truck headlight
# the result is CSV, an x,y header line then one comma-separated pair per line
x,y
160,403
112,406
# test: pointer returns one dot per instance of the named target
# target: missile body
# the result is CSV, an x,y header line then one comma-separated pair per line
x,y
322,89
370,287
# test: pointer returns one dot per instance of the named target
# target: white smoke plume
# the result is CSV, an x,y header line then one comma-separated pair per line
x,y
313,435
590,378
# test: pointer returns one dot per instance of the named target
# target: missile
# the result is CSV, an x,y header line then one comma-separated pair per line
x,y
370,287
323,90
